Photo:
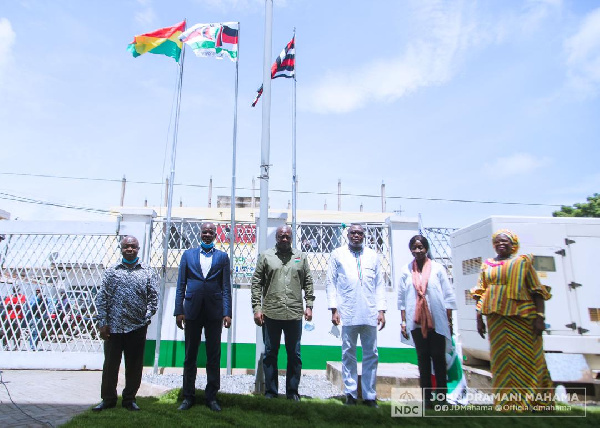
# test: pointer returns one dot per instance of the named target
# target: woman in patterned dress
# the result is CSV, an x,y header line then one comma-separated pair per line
x,y
510,295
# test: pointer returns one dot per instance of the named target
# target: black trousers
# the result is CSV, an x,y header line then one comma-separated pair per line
x,y
193,334
431,349
132,346
292,330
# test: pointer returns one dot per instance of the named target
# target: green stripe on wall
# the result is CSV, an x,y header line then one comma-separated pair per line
x,y
314,357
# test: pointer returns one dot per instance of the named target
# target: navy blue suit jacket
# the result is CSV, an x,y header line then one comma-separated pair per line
x,y
198,295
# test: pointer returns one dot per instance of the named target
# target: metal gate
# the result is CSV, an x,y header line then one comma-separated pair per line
x,y
185,234
439,243
48,284
318,240
48,280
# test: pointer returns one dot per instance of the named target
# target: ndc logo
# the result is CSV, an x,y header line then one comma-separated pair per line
x,y
407,402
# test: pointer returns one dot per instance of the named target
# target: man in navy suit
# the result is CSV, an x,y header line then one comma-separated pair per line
x,y
203,301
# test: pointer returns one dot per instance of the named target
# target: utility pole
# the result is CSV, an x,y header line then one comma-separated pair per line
x,y
123,182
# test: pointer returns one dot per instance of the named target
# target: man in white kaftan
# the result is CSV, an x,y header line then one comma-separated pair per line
x,y
356,297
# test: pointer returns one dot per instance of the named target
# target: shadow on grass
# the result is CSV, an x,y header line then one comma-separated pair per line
x,y
253,411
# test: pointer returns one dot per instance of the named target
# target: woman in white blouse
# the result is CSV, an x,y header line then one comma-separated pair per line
x,y
426,300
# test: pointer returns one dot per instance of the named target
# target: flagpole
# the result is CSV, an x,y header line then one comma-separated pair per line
x,y
168,222
259,384
294,176
232,234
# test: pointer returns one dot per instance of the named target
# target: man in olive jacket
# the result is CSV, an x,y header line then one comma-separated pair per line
x,y
280,276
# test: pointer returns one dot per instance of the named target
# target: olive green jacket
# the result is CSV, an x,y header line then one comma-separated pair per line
x,y
278,282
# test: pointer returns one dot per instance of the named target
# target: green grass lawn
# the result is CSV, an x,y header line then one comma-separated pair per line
x,y
252,411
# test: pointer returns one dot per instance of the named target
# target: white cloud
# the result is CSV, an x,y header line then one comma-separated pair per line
x,y
147,16
583,56
431,60
446,33
515,165
7,40
536,12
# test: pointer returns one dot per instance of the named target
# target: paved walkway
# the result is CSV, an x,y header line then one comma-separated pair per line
x,y
51,398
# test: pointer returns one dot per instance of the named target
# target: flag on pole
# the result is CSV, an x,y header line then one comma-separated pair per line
x,y
213,40
164,41
284,66
258,95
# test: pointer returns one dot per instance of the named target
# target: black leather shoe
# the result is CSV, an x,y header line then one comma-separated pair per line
x,y
294,397
371,403
103,406
186,405
350,400
214,406
132,407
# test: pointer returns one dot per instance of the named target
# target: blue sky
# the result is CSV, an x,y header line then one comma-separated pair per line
x,y
470,100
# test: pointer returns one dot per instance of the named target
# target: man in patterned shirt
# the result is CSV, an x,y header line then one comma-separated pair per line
x,y
126,301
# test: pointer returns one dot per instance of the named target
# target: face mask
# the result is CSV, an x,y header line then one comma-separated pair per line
x,y
207,246
130,262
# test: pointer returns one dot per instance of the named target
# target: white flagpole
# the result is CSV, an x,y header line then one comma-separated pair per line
x,y
294,176
163,280
232,234
259,384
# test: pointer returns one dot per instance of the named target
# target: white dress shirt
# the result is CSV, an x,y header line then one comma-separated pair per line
x,y
206,260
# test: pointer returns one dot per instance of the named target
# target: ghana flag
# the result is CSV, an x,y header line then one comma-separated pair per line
x,y
164,41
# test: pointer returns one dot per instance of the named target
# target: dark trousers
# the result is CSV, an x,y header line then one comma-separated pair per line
x,y
193,334
132,346
432,348
292,331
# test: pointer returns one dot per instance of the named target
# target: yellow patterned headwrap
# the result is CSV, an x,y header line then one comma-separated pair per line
x,y
514,239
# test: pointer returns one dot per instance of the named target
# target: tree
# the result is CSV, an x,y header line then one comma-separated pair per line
x,y
591,208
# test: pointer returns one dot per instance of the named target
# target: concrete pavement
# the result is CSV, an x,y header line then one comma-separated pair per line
x,y
36,398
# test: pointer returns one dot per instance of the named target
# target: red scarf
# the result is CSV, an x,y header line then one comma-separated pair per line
x,y
422,312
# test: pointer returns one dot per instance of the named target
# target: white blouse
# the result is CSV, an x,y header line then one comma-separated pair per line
x,y
440,296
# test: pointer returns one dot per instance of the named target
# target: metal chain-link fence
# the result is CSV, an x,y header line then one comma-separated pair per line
x,y
318,240
439,243
47,285
185,234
